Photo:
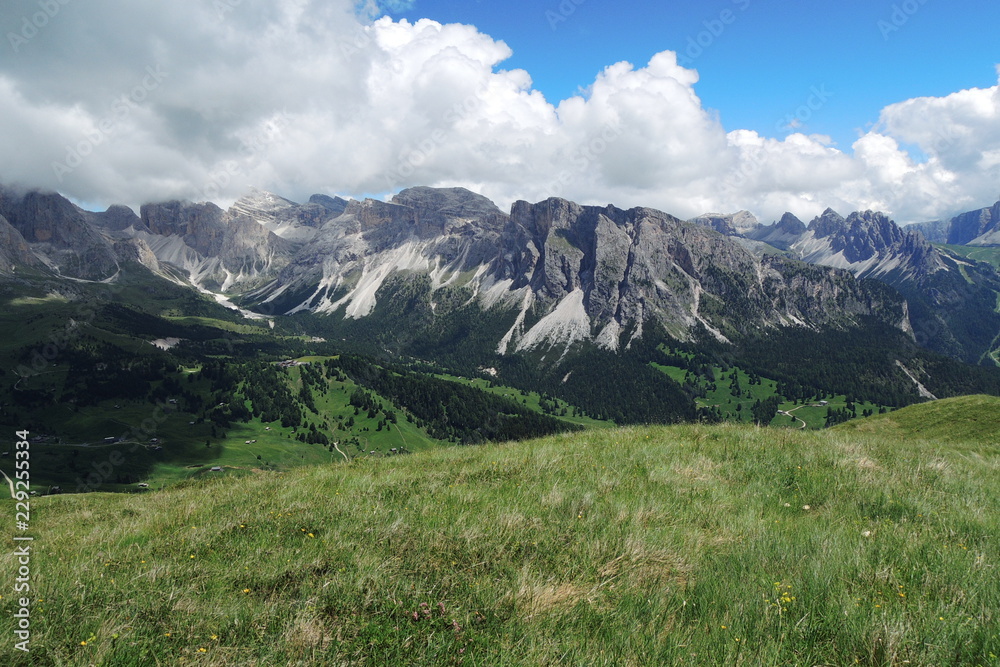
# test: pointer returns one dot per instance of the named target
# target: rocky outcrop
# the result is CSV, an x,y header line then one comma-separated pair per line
x,y
200,226
218,250
116,219
335,205
351,256
296,223
139,252
861,236
935,231
640,265
868,244
59,233
980,227
781,234
14,250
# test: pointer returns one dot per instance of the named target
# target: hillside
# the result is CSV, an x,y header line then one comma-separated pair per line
x,y
958,420
699,545
175,384
603,314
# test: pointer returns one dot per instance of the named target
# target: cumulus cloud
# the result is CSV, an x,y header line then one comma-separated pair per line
x,y
109,101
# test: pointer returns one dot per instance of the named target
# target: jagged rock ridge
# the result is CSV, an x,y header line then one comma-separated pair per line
x,y
976,228
948,297
557,273
568,273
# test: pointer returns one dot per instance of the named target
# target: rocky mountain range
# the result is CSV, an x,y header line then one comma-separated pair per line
x,y
975,228
548,275
868,244
566,273
951,300
59,234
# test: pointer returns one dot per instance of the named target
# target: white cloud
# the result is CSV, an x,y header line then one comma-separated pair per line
x,y
304,96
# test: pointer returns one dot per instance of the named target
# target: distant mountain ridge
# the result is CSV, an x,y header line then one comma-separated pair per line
x,y
567,273
980,227
952,301
549,275
731,224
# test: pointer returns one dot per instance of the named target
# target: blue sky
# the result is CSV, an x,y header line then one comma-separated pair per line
x,y
765,63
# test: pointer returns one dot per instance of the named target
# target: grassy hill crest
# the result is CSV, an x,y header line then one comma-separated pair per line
x,y
700,545
961,419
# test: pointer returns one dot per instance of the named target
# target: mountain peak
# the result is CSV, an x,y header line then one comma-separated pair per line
x,y
262,200
333,204
455,202
781,234
791,224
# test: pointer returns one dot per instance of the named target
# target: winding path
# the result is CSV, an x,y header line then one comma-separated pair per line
x,y
789,414
346,457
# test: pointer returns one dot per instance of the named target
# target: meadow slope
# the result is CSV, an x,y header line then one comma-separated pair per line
x,y
868,544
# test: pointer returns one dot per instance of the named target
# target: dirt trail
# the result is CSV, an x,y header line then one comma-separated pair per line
x,y
789,414
346,457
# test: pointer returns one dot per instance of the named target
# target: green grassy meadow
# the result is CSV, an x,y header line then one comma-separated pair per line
x,y
872,543
734,402
988,254
533,400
